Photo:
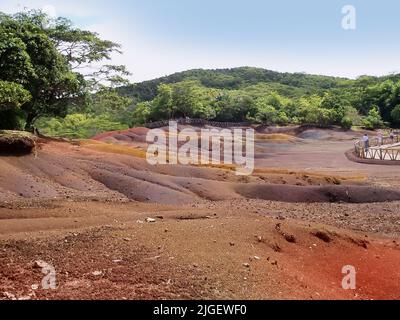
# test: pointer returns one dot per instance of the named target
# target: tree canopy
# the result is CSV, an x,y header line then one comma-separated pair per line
x,y
42,60
268,97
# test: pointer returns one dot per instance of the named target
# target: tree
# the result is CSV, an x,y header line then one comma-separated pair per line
x,y
45,56
346,123
396,115
374,119
12,97
142,113
162,105
109,102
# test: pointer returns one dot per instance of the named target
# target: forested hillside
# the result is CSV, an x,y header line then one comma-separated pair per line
x,y
238,78
268,97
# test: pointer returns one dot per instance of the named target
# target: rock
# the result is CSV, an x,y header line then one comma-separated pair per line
x,y
150,220
127,239
117,261
35,287
232,244
97,273
257,258
160,217
140,221
9,296
246,265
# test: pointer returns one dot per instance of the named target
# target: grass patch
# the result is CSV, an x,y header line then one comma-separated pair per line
x,y
112,148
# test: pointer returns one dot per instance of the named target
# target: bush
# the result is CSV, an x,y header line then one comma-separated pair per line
x,y
78,126
346,123
373,120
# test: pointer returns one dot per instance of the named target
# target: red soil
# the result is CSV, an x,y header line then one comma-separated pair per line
x,y
77,207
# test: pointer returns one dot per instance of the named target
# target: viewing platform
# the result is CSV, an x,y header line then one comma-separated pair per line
x,y
387,150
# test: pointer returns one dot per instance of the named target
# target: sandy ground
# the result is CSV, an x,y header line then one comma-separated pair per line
x,y
283,233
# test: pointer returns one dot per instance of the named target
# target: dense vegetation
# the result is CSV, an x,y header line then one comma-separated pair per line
x,y
267,97
42,63
43,84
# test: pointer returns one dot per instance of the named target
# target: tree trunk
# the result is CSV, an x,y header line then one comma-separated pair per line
x,y
29,122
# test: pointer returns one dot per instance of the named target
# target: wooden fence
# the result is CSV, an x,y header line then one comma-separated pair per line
x,y
379,151
196,122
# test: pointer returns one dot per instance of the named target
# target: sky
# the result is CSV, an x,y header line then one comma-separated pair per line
x,y
160,37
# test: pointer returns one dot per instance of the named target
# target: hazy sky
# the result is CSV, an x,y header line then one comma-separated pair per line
x,y
160,37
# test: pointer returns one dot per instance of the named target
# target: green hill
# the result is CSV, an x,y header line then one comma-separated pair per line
x,y
292,84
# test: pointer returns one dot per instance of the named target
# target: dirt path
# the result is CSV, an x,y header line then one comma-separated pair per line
x,y
231,251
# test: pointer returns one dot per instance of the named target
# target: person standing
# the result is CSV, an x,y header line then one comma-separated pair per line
x,y
366,142
391,136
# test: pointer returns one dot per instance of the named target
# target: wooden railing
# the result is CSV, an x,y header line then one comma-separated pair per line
x,y
385,150
196,122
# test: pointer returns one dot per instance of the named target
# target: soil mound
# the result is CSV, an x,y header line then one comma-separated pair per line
x,y
16,142
309,194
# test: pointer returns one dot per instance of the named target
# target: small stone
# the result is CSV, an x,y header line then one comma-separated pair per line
x,y
150,220
139,221
246,265
9,296
232,244
256,258
127,239
39,264
35,287
97,273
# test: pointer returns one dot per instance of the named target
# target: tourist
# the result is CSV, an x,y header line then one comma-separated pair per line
x,y
366,142
391,136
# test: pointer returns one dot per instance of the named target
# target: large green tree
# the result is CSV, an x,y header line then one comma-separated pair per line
x,y
47,57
